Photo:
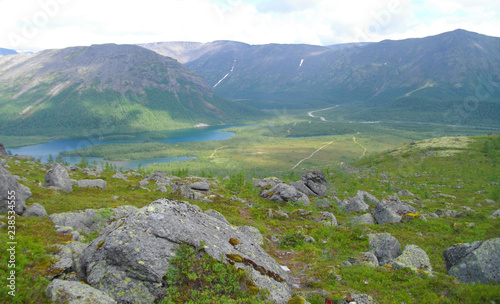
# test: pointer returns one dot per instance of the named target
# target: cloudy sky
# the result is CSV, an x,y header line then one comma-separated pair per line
x,y
42,24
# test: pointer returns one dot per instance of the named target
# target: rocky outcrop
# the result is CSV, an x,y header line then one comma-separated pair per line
x,y
91,183
312,183
285,193
266,183
391,210
3,153
474,262
413,257
12,191
58,177
131,256
61,291
35,210
91,220
385,247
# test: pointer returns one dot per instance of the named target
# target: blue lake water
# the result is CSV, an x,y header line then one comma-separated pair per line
x,y
170,137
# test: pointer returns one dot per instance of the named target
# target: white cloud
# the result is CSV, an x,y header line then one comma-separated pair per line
x,y
39,24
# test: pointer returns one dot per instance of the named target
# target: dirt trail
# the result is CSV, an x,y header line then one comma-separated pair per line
x,y
312,154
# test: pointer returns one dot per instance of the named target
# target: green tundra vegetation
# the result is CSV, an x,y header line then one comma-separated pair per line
x,y
442,173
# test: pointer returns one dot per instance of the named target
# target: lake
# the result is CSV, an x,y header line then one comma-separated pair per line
x,y
170,137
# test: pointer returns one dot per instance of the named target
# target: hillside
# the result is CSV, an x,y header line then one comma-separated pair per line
x,y
450,185
105,89
385,79
5,52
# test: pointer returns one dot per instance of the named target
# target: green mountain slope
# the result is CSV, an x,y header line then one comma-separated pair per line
x,y
105,89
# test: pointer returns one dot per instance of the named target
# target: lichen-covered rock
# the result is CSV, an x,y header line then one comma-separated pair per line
x,y
58,177
185,191
480,265
251,234
453,255
70,292
266,183
200,186
68,261
368,259
120,175
35,210
385,247
285,193
91,220
91,183
312,183
216,214
365,196
131,256
391,210
326,218
355,204
413,257
495,215
366,219
12,191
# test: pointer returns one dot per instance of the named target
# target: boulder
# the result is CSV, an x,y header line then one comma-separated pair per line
x,y
391,210
324,203
3,153
91,183
91,220
129,259
453,255
285,193
185,191
266,183
495,215
480,265
120,175
200,186
58,177
385,247
35,210
355,204
61,291
312,183
365,196
12,191
413,257
366,218
216,214
251,234
326,218
68,262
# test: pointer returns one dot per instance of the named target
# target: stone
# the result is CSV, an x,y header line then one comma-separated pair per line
x,y
366,218
355,204
391,210
365,196
361,298
480,265
413,257
35,210
91,183
266,183
12,191
200,186
58,177
3,153
280,214
446,213
495,215
384,246
405,193
312,183
61,291
324,203
185,191
130,257
68,261
144,182
91,220
285,193
120,175
216,214
368,259
252,234
326,218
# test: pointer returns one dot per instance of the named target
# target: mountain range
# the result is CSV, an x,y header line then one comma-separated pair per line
x,y
450,78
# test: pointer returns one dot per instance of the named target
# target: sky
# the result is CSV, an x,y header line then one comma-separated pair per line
x,y
46,24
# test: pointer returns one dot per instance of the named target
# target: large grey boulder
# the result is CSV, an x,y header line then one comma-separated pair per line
x,y
70,292
266,183
129,259
91,183
312,183
186,192
120,175
413,257
91,220
285,193
355,204
453,255
480,265
384,246
35,210
200,186
3,153
366,218
365,196
391,210
58,177
12,191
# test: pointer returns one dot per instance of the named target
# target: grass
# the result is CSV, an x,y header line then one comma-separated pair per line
x,y
434,170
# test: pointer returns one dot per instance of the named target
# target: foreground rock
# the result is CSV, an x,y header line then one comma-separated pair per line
x,y
312,183
12,190
413,257
3,153
385,247
131,256
58,177
475,262
61,291
391,210
35,210
285,193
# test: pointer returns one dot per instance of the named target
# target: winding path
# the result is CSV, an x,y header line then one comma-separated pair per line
x,y
312,154
364,152
322,118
